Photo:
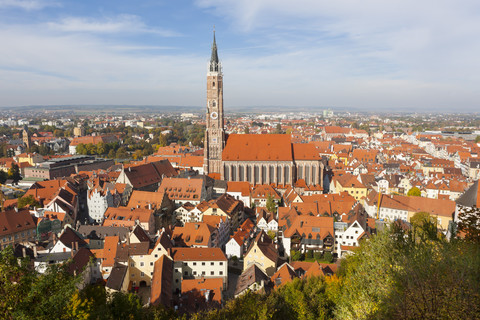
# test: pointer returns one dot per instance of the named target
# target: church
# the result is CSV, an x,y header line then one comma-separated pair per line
x,y
256,158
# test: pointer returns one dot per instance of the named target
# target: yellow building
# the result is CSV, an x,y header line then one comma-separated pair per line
x,y
262,253
349,183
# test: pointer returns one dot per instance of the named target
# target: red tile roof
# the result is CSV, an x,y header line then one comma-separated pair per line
x,y
258,147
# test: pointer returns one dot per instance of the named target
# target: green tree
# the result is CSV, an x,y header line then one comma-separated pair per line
x,y
14,173
327,256
27,201
81,149
111,153
469,224
3,176
247,130
271,205
271,234
477,139
414,192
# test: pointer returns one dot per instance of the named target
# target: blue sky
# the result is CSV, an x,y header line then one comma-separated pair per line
x,y
367,54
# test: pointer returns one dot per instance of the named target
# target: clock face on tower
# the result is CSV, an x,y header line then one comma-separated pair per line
x,y
214,115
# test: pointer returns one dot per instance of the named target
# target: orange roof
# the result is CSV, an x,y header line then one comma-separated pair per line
x,y
239,186
193,234
211,286
284,274
198,254
182,188
123,216
142,199
110,250
305,151
258,147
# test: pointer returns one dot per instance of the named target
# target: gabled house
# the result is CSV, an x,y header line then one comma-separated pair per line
x,y
240,240
305,232
146,177
252,279
194,234
263,253
198,263
183,190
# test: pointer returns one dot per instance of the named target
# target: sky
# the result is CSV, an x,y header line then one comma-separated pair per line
x,y
369,54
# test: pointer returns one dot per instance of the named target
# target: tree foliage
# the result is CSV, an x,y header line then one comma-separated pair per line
x,y
414,192
27,201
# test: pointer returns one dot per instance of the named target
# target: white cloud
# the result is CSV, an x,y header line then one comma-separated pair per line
x,y
125,23
27,4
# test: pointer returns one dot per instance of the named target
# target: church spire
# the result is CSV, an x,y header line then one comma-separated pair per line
x,y
214,58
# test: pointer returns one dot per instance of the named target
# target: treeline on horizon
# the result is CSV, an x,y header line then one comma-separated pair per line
x,y
397,274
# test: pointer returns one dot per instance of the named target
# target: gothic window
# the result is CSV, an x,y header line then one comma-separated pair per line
x,y
214,103
279,174
249,173
299,172
314,172
227,173
256,174
241,170
213,85
272,173
234,174
264,173
287,174
307,174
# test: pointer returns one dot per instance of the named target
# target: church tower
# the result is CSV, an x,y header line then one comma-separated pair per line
x,y
26,138
214,133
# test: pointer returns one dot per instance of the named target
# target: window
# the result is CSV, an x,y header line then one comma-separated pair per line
x,y
186,273
212,263
176,280
212,273
203,263
194,273
132,264
221,263
156,256
203,273
133,275
142,274
151,263
141,264
194,263
221,273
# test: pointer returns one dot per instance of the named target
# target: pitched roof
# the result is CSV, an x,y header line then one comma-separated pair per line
x,y
161,290
266,246
193,234
305,151
117,276
283,275
198,254
182,188
125,217
12,221
251,275
149,173
258,147
146,199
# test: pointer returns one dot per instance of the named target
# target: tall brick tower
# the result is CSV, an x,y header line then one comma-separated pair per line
x,y
214,133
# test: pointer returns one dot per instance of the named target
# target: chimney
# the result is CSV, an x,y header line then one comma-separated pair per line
x,y
150,206
24,252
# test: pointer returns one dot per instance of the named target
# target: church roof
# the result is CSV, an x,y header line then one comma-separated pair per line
x,y
258,147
